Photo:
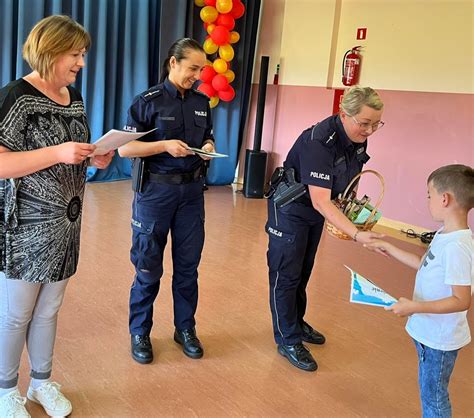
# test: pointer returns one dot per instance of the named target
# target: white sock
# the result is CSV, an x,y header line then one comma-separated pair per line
x,y
36,383
4,392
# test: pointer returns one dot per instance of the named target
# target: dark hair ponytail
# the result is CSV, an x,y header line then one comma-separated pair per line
x,y
179,50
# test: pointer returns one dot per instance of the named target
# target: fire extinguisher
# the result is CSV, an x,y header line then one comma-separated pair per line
x,y
351,66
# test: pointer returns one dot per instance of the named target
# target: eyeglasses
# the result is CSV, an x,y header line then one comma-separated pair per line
x,y
365,125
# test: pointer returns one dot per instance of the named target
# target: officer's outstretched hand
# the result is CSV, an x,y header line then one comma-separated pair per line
x,y
102,161
177,148
366,237
209,147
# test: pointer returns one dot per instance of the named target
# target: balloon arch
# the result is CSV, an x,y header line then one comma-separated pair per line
x,y
219,21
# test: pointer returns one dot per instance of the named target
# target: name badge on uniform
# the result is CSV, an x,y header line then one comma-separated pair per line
x,y
166,118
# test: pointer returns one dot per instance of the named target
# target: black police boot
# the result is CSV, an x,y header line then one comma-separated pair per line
x,y
299,356
142,350
310,335
191,345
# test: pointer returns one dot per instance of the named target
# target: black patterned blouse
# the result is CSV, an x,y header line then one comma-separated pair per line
x,y
40,214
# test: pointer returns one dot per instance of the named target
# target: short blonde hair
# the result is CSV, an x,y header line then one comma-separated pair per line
x,y
51,37
356,97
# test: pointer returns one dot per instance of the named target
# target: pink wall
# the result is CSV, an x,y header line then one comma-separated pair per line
x,y
423,131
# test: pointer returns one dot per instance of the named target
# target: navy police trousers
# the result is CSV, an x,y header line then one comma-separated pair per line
x,y
294,232
159,209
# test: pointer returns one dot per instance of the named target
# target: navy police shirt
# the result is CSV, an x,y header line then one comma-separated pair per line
x,y
185,118
324,156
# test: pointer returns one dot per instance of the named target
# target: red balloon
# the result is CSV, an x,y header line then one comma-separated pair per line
x,y
219,82
210,3
205,24
207,89
207,74
220,35
238,9
226,20
226,95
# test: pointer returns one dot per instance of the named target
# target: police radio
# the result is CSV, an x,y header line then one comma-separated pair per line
x,y
351,66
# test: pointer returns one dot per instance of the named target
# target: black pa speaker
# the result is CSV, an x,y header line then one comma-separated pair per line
x,y
254,175
256,160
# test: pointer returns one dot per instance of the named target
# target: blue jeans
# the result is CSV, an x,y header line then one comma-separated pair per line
x,y
434,371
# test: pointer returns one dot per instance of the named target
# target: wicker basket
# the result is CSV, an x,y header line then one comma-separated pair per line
x,y
342,200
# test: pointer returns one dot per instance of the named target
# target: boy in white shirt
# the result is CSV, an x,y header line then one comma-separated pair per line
x,y
437,314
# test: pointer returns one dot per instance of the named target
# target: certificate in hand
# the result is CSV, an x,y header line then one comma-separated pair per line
x,y
368,293
114,139
207,154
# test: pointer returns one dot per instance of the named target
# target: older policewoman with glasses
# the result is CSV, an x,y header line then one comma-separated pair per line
x,y
324,159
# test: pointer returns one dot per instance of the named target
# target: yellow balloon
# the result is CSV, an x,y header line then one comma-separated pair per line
x,y
199,3
210,28
213,101
220,66
209,46
224,6
234,37
230,75
208,14
226,52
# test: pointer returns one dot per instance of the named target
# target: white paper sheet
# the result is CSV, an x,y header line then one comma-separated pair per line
x,y
365,292
114,139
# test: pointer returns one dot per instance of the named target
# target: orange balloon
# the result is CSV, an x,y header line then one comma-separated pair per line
x,y
199,3
208,14
213,101
224,6
209,46
226,52
234,37
230,75
220,66
210,28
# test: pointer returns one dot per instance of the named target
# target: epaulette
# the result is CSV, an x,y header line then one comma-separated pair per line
x,y
326,140
330,141
152,93
200,93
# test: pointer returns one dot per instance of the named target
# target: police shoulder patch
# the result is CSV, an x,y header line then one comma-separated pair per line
x,y
152,93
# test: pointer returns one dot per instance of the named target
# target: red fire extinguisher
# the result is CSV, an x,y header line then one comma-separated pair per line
x,y
351,66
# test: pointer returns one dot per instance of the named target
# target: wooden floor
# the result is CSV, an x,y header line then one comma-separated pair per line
x,y
367,368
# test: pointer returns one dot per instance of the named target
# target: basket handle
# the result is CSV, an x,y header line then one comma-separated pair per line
x,y
379,201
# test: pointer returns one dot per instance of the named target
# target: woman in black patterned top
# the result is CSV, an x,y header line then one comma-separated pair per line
x,y
44,149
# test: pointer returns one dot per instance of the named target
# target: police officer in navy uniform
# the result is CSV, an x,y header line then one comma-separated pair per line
x,y
324,158
170,196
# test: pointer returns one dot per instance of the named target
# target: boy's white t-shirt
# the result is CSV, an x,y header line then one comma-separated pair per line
x,y
448,261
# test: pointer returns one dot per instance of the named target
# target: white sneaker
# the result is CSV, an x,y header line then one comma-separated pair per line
x,y
12,405
51,399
